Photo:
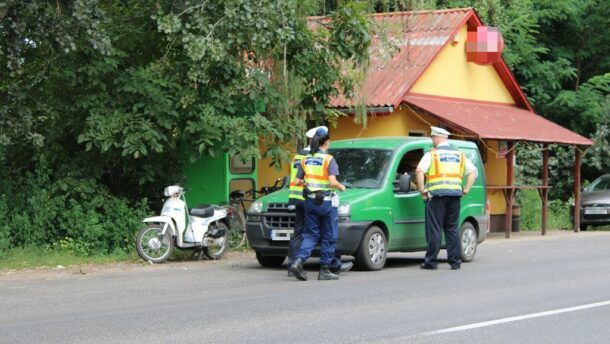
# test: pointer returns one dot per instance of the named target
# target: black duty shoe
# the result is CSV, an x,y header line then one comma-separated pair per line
x,y
455,267
345,267
427,266
326,275
297,269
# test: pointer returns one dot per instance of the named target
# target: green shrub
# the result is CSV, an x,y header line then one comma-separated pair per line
x,y
531,212
69,213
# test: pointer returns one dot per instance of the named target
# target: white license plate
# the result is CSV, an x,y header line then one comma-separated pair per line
x,y
281,234
596,211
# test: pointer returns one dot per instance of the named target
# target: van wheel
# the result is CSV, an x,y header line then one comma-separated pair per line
x,y
270,261
468,238
372,252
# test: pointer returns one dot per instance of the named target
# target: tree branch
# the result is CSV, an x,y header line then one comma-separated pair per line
x,y
192,7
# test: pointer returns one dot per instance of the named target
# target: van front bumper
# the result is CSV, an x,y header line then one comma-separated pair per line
x,y
350,235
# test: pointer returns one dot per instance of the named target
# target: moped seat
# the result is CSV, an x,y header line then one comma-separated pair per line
x,y
202,210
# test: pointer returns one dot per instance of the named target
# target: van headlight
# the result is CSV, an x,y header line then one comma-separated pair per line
x,y
343,209
256,208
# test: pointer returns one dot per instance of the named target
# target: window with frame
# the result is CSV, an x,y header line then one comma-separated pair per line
x,y
407,165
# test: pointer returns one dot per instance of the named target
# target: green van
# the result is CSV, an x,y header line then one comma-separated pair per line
x,y
380,212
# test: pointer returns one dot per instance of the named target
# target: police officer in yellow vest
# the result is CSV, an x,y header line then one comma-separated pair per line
x,y
319,171
296,201
444,167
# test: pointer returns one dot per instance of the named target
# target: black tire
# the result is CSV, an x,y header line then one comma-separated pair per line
x,y
152,246
372,253
468,241
270,261
583,227
217,251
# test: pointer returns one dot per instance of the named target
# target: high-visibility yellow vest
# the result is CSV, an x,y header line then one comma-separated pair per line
x,y
295,192
444,177
316,171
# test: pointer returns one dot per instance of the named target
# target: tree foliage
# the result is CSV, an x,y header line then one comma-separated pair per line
x,y
116,95
123,89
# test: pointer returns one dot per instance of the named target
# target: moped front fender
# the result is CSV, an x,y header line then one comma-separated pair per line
x,y
168,223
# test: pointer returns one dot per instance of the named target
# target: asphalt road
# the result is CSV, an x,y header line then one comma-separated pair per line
x,y
551,290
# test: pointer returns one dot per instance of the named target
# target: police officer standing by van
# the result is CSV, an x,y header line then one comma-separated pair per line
x,y
296,201
444,167
319,171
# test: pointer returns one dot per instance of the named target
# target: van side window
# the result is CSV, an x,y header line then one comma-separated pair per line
x,y
407,164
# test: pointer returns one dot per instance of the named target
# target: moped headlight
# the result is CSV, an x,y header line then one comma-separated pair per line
x,y
172,190
343,209
256,208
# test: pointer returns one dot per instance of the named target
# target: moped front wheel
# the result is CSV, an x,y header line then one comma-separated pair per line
x,y
152,245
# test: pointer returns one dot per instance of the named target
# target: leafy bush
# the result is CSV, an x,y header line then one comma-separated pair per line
x,y
531,212
70,213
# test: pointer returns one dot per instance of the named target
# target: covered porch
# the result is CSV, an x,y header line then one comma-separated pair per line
x,y
487,122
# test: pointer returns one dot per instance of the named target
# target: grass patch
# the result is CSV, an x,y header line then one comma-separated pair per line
x,y
35,257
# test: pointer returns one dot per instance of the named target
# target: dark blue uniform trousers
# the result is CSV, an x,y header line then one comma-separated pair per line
x,y
320,225
297,235
442,215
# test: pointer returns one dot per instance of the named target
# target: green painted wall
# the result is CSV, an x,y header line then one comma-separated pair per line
x,y
209,180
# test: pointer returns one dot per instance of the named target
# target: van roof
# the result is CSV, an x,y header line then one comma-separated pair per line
x,y
391,142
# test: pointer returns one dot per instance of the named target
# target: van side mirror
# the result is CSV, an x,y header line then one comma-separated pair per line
x,y
404,183
285,182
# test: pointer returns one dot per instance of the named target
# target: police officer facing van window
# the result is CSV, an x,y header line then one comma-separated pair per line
x,y
444,167
319,171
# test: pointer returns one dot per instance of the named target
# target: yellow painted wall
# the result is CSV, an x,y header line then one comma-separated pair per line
x,y
450,75
495,174
398,123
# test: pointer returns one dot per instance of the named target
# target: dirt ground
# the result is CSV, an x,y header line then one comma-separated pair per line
x,y
46,273
231,258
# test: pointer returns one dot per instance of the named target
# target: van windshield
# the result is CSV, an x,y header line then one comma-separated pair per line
x,y
362,168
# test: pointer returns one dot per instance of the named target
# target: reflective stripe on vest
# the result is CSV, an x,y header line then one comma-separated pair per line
x,y
316,171
446,172
296,192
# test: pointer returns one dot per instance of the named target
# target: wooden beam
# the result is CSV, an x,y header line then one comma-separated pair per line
x,y
577,190
544,193
509,192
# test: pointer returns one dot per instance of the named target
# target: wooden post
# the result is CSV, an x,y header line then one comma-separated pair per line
x,y
545,182
577,190
509,191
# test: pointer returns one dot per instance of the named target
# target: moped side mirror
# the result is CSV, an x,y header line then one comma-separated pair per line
x,y
404,183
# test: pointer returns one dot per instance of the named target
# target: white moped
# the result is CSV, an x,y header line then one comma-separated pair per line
x,y
206,229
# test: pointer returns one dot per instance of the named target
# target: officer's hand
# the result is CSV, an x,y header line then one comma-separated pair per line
x,y
424,194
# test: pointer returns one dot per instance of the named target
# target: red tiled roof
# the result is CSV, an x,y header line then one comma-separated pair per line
x,y
495,121
419,36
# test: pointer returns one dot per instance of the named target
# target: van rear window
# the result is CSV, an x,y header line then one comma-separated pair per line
x,y
362,168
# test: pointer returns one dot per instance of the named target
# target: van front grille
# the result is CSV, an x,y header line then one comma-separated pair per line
x,y
284,221
278,208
